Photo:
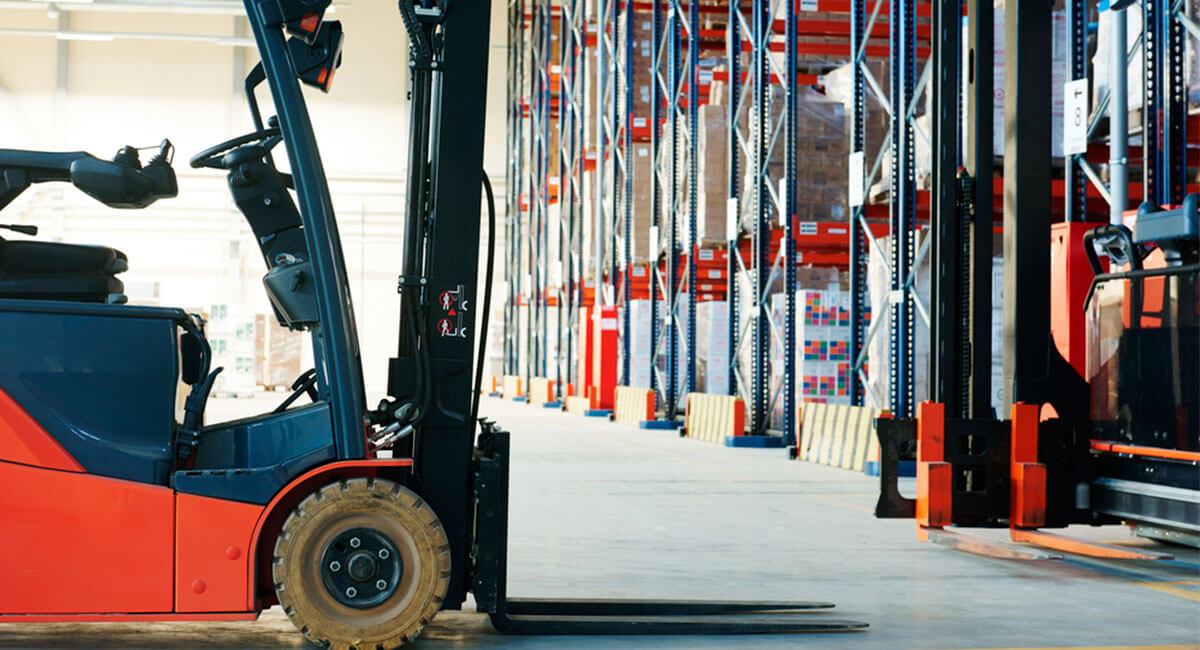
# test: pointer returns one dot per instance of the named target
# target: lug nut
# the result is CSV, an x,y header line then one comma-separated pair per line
x,y
335,566
355,542
381,585
351,592
383,554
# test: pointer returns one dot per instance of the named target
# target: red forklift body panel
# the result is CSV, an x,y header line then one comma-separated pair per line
x,y
24,441
1070,277
212,553
78,543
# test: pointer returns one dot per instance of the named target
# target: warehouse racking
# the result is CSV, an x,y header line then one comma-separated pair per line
x,y
578,187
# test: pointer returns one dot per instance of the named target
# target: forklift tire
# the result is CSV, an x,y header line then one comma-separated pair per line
x,y
368,533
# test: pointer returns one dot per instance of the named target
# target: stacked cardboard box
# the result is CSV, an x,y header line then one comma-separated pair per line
x,y
641,74
643,197
231,335
714,172
820,156
821,357
277,353
823,347
839,85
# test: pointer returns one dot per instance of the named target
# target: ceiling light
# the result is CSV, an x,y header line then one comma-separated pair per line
x,y
82,36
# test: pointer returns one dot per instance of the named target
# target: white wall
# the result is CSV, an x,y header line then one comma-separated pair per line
x,y
196,247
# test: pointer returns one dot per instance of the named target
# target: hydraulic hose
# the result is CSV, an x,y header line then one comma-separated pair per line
x,y
487,297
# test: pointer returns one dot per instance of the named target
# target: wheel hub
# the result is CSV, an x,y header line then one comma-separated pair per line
x,y
361,568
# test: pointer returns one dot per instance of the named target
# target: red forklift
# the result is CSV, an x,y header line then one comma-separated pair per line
x,y
361,522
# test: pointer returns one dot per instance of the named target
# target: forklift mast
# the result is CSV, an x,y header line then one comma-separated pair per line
x,y
467,484
438,287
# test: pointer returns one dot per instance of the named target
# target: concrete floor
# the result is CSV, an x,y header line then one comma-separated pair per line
x,y
605,510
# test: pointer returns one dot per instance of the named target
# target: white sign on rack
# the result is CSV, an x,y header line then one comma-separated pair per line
x,y
731,219
783,202
856,180
1075,116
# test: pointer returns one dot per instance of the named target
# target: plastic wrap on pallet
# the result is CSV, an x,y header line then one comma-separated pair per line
x,y
879,288
839,86
712,347
998,336
1060,50
1194,60
639,343
681,320
1101,62
821,154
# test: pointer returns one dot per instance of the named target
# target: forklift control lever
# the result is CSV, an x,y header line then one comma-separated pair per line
x,y
118,183
1116,242
24,230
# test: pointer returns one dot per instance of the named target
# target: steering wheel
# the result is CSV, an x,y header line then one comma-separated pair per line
x,y
212,157
305,383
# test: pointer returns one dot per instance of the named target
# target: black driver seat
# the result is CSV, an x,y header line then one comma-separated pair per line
x,y
34,270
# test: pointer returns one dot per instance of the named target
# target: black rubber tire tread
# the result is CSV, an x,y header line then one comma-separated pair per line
x,y
339,506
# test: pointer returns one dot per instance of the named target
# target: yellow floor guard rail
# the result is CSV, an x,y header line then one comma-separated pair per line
x,y
633,405
512,387
713,417
837,435
541,391
577,405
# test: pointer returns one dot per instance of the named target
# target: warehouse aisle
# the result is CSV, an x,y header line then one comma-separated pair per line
x,y
608,511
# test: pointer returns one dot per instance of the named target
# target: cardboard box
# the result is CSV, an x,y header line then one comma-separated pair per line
x,y
283,363
643,196
231,335
714,172
821,156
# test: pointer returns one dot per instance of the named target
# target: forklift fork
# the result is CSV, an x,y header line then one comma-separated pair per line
x,y
604,616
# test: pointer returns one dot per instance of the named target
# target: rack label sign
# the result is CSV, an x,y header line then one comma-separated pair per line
x,y
1075,114
858,168
731,219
